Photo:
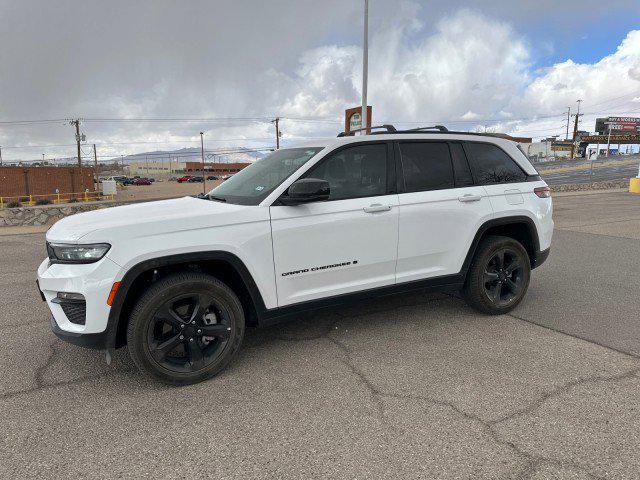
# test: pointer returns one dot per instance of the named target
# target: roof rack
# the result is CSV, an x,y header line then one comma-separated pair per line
x,y
440,128
388,128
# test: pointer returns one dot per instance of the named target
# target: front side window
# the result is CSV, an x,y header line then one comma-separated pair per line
x,y
426,166
354,172
491,165
254,183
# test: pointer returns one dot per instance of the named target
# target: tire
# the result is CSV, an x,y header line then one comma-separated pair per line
x,y
167,332
496,287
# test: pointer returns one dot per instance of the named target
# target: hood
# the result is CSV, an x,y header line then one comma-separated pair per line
x,y
144,219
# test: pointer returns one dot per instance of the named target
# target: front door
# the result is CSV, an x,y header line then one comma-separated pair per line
x,y
347,243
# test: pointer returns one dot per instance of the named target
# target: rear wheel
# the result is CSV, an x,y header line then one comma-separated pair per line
x,y
498,277
185,328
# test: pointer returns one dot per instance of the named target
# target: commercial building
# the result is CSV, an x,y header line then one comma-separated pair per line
x,y
168,168
214,168
547,149
155,168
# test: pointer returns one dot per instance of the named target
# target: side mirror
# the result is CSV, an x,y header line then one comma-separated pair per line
x,y
306,190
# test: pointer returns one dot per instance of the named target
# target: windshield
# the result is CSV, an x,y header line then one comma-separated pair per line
x,y
254,183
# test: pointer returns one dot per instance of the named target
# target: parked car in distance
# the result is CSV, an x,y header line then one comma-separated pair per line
x,y
173,179
128,181
151,179
116,178
184,179
212,177
141,181
196,180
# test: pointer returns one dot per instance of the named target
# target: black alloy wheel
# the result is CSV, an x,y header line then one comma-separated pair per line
x,y
185,328
498,277
503,277
188,332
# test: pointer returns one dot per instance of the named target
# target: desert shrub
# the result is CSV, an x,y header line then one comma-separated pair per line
x,y
14,204
43,201
73,200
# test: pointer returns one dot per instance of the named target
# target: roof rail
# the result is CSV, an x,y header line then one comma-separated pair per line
x,y
440,128
389,128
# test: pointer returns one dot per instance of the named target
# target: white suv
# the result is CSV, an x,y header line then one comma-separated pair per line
x,y
310,226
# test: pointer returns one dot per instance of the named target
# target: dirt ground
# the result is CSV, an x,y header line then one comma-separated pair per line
x,y
163,189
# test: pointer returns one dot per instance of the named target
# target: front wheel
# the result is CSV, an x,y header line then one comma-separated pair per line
x,y
498,277
185,328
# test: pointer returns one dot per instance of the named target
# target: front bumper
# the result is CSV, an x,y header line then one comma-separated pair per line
x,y
86,340
94,282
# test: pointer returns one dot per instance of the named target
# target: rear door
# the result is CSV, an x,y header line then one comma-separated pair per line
x,y
348,243
440,209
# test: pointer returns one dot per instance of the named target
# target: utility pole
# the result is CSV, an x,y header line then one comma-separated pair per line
x,y
43,159
568,121
76,123
277,124
95,165
204,179
0,155
575,131
365,66
608,140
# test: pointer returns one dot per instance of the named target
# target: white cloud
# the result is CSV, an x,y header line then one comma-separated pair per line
x,y
466,69
470,68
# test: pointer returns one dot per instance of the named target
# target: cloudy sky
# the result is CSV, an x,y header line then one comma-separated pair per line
x,y
149,75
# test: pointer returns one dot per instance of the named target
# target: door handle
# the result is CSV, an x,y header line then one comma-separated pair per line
x,y
469,198
377,207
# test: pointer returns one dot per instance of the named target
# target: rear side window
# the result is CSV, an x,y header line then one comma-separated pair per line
x,y
491,165
354,172
426,166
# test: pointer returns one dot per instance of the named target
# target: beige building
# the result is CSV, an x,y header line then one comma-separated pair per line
x,y
155,168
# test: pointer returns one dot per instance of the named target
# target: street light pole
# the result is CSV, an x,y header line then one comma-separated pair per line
x,y
365,65
204,179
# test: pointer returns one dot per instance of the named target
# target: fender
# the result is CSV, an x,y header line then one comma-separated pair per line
x,y
134,272
499,222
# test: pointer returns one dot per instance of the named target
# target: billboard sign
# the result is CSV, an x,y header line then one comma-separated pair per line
x,y
624,125
615,138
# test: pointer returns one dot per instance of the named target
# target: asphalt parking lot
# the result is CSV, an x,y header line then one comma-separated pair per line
x,y
413,386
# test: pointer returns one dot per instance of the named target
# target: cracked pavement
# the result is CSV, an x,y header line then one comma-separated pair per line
x,y
411,386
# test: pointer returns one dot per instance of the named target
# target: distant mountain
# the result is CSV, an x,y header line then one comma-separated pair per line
x,y
230,155
224,155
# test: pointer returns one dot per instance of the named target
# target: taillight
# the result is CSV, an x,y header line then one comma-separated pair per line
x,y
542,192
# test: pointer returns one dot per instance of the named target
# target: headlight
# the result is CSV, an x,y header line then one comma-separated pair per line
x,y
89,253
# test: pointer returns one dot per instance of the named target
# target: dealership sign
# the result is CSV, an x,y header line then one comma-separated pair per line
x,y
623,124
610,139
353,119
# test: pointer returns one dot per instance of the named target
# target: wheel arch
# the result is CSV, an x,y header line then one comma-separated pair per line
x,y
521,228
225,266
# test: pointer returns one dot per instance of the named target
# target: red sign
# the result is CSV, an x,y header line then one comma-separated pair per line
x,y
623,124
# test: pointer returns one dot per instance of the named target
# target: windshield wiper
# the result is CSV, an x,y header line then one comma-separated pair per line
x,y
217,199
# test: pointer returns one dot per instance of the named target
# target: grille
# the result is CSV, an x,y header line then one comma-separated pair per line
x,y
76,311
